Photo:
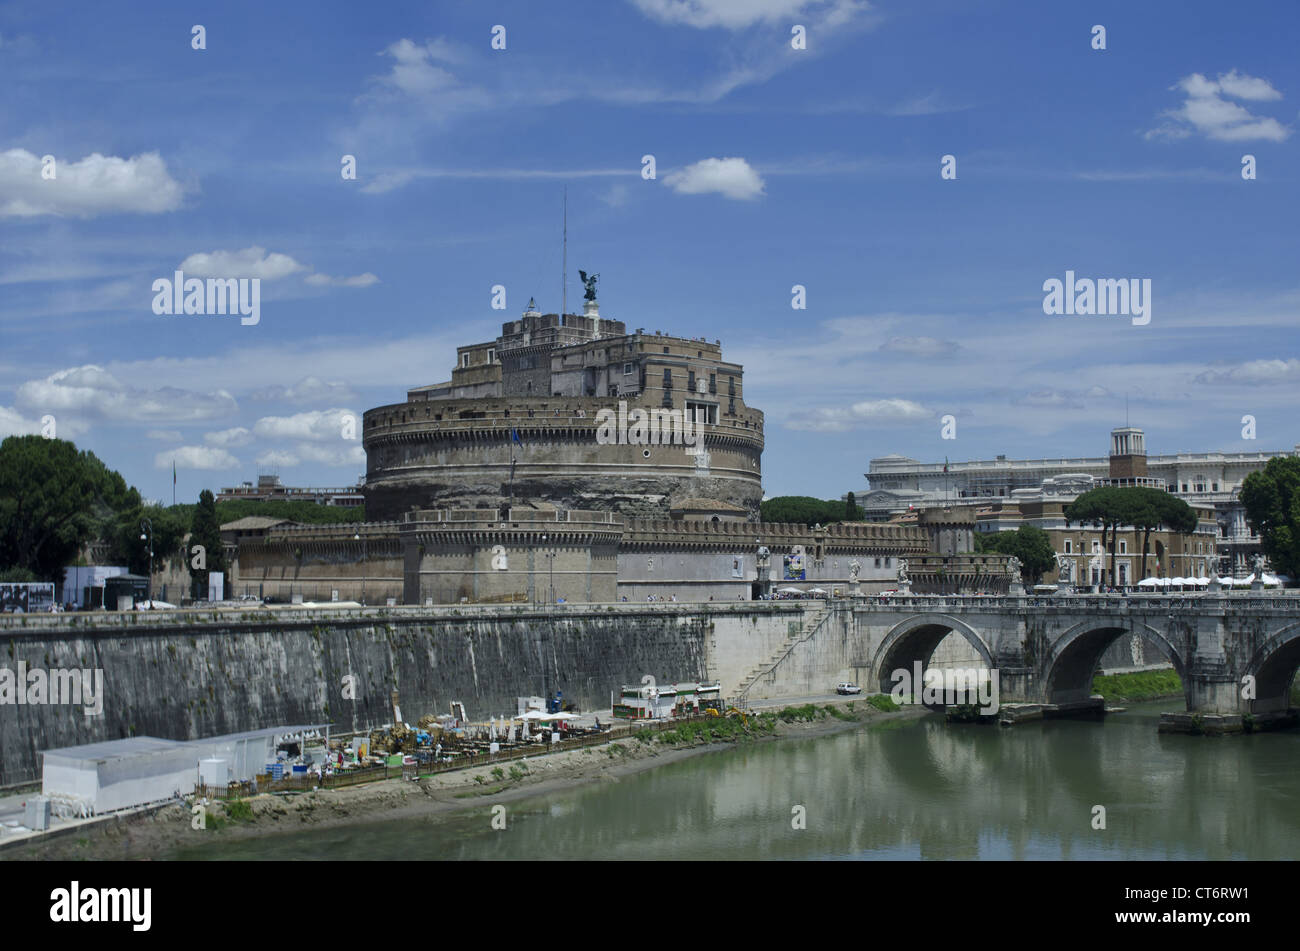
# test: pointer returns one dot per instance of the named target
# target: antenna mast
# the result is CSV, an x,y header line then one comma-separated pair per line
x,y
564,260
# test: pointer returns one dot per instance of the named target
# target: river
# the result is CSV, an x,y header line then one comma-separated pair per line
x,y
901,789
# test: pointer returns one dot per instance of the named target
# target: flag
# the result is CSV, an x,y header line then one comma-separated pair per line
x,y
173,473
514,435
945,463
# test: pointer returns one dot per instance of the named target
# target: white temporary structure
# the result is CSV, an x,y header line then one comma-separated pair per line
x,y
118,774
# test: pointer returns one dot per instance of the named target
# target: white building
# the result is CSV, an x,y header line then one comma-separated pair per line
x,y
897,484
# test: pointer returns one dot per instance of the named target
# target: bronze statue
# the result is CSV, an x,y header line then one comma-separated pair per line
x,y
590,284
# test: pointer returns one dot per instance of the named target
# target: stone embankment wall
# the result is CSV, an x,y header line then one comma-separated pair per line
x,y
186,675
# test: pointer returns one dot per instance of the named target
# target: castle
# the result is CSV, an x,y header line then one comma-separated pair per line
x,y
521,419
569,459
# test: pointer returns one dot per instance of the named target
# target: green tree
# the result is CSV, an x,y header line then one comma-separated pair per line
x,y
1151,509
1271,497
1103,504
852,512
169,526
1029,543
53,499
206,531
1142,507
802,509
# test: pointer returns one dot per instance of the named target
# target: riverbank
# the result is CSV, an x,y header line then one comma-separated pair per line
x,y
1139,686
165,832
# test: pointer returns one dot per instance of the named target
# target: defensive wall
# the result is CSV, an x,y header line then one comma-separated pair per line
x,y
539,555
187,674
457,454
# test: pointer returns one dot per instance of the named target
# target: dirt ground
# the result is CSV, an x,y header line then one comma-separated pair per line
x,y
156,835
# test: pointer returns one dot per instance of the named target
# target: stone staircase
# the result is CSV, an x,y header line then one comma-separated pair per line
x,y
810,625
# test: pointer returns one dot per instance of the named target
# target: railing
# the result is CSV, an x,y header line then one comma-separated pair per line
x,y
1288,601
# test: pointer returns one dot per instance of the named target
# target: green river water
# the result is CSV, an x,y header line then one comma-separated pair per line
x,y
902,789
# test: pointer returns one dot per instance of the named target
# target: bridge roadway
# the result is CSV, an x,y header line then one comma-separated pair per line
x,y
1237,654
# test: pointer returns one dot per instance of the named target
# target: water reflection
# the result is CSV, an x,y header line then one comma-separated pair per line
x,y
919,789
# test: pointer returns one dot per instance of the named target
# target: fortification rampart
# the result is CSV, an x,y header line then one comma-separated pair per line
x,y
185,674
458,454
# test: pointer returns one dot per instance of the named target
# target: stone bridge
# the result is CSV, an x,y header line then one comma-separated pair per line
x,y
1236,655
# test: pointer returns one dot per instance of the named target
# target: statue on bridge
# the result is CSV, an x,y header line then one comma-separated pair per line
x,y
855,569
903,579
1014,568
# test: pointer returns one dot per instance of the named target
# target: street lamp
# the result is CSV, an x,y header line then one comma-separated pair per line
x,y
365,564
146,530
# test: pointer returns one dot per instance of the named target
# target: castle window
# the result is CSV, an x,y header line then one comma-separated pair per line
x,y
713,383
627,369
492,355
665,349
464,359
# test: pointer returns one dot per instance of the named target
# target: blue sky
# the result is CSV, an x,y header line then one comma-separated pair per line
x,y
775,167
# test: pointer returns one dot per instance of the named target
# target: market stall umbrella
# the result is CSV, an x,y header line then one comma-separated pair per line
x,y
789,590
1149,583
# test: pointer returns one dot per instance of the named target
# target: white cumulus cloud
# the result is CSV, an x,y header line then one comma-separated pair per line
x,y
316,425
195,457
94,393
277,457
737,14
1254,373
249,262
96,185
1205,110
866,412
730,177
229,438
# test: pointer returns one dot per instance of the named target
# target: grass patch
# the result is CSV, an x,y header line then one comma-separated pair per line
x,y
883,702
1140,685
238,810
836,712
808,712
719,730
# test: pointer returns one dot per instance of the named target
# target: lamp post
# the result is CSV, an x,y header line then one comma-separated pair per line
x,y
146,530
365,565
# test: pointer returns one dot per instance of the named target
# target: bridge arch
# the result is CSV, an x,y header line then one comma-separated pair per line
x,y
1274,666
914,639
1072,658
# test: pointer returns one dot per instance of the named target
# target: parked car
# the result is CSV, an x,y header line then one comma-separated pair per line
x,y
847,688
